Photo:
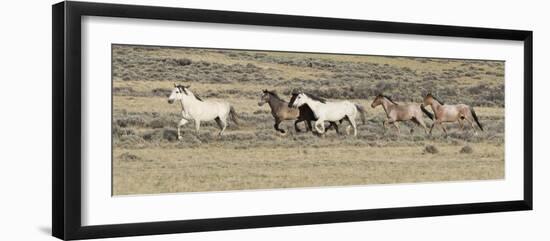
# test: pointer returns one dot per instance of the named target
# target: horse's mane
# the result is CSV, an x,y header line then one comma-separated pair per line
x,y
317,98
182,88
440,102
274,95
387,97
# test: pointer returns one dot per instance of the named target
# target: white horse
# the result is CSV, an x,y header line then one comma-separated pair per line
x,y
330,111
194,108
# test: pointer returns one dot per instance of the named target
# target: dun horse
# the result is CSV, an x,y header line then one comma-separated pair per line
x,y
194,108
281,112
329,111
450,113
400,112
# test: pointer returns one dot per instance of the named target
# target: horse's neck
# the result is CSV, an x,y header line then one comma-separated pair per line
x,y
313,105
387,106
275,103
185,105
435,105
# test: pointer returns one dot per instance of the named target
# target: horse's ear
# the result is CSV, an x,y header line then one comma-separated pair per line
x,y
175,85
265,90
187,87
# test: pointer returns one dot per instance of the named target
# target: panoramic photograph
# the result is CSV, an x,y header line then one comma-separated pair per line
x,y
188,119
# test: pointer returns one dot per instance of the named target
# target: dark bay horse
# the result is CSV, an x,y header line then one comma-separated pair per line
x,y
400,112
281,112
451,113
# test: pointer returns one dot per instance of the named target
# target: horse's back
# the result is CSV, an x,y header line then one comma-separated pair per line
x,y
337,110
212,109
218,104
407,111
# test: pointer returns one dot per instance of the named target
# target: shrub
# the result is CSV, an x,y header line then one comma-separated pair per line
x,y
466,150
169,135
183,62
161,92
431,149
126,156
157,123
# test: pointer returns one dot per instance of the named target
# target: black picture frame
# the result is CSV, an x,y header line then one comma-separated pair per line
x,y
66,127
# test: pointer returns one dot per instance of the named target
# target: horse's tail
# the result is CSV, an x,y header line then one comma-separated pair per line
x,y
428,113
233,115
475,118
363,112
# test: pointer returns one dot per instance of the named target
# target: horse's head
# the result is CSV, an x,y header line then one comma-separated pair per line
x,y
428,99
293,96
264,98
178,93
297,100
377,101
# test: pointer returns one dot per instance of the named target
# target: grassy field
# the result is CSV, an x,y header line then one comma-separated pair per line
x,y
148,158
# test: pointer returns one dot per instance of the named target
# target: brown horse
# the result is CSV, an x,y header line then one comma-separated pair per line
x,y
450,113
281,112
400,112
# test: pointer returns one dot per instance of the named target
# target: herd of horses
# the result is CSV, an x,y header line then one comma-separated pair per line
x,y
308,108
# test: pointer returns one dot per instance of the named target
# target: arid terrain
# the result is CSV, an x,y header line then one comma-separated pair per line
x,y
148,158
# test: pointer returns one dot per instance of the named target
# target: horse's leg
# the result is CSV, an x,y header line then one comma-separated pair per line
x,y
415,121
222,124
296,125
460,124
433,125
197,126
443,128
397,127
384,123
276,126
219,122
421,123
318,123
354,125
471,124
309,127
348,128
333,124
327,128
180,124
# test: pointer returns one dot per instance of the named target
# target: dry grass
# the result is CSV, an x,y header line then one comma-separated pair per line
x,y
218,168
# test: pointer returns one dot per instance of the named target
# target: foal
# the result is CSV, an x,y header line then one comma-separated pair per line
x,y
451,113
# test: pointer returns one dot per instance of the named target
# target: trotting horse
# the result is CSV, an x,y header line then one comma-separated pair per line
x,y
194,108
329,111
450,113
281,112
400,112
